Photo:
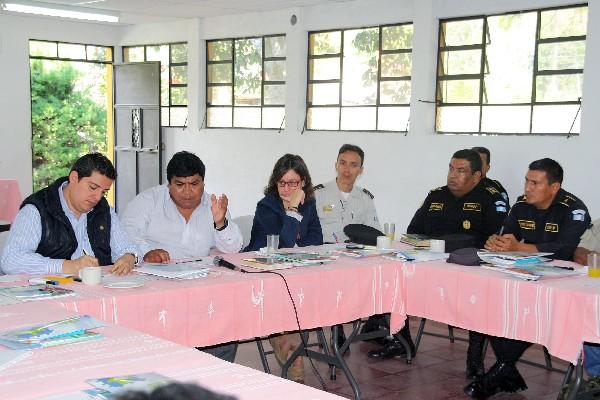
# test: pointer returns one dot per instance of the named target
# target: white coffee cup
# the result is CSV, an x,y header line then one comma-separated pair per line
x,y
437,245
384,242
91,275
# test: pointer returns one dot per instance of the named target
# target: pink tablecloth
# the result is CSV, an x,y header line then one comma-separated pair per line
x,y
64,369
10,199
559,313
235,306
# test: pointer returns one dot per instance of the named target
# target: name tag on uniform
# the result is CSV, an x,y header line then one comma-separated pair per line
x,y
472,207
436,206
551,227
526,224
328,207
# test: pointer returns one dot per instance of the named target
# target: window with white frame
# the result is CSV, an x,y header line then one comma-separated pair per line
x,y
360,79
515,73
245,82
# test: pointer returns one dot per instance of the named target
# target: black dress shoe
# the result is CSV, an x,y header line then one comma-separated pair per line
x,y
502,377
393,349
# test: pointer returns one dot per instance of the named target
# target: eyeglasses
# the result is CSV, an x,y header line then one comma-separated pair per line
x,y
291,184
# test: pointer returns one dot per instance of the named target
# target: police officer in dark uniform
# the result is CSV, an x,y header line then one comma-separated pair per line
x,y
485,155
545,219
464,206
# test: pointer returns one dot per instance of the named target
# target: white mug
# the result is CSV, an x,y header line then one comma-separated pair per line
x,y
384,242
437,245
91,275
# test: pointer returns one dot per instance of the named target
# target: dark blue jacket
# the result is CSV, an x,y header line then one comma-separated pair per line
x,y
270,219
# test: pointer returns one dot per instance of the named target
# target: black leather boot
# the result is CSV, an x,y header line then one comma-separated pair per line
x,y
502,377
475,366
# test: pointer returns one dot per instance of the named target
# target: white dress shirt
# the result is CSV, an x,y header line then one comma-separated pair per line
x,y
154,222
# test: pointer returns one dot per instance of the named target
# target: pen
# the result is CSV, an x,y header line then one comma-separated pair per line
x,y
561,267
501,230
188,261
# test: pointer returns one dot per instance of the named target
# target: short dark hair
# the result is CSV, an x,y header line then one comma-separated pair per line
x,y
351,147
471,156
94,162
175,391
282,166
184,164
553,170
483,150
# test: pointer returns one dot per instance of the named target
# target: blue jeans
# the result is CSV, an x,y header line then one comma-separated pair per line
x,y
591,358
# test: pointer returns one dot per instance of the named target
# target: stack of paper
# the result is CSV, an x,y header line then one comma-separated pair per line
x,y
416,255
70,330
512,258
182,269
284,260
35,292
368,251
415,239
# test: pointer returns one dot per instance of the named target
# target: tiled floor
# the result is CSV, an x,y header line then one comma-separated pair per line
x,y
437,372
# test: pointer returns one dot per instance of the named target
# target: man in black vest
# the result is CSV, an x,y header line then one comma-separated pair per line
x,y
545,219
69,225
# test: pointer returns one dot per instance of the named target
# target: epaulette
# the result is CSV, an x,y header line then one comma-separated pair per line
x,y
319,186
368,193
437,189
521,199
567,200
492,190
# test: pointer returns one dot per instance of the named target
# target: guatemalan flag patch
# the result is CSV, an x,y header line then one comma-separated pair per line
x,y
578,215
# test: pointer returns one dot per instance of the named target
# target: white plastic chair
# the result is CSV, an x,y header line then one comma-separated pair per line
x,y
244,222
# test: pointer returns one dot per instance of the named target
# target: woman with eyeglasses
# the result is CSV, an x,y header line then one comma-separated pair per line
x,y
288,210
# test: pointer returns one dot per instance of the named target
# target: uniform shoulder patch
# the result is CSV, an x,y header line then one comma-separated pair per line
x,y
521,199
319,186
567,200
368,193
492,190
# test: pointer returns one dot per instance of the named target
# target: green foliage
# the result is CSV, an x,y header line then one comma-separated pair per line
x,y
66,123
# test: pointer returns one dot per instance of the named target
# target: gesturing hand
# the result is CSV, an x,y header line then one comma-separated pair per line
x,y
218,206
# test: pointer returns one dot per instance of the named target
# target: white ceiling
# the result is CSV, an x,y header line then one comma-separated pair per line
x,y
138,11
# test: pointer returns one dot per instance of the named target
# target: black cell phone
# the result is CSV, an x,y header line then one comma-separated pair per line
x,y
355,246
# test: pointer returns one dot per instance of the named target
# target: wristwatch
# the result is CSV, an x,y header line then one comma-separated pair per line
x,y
221,228
135,258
